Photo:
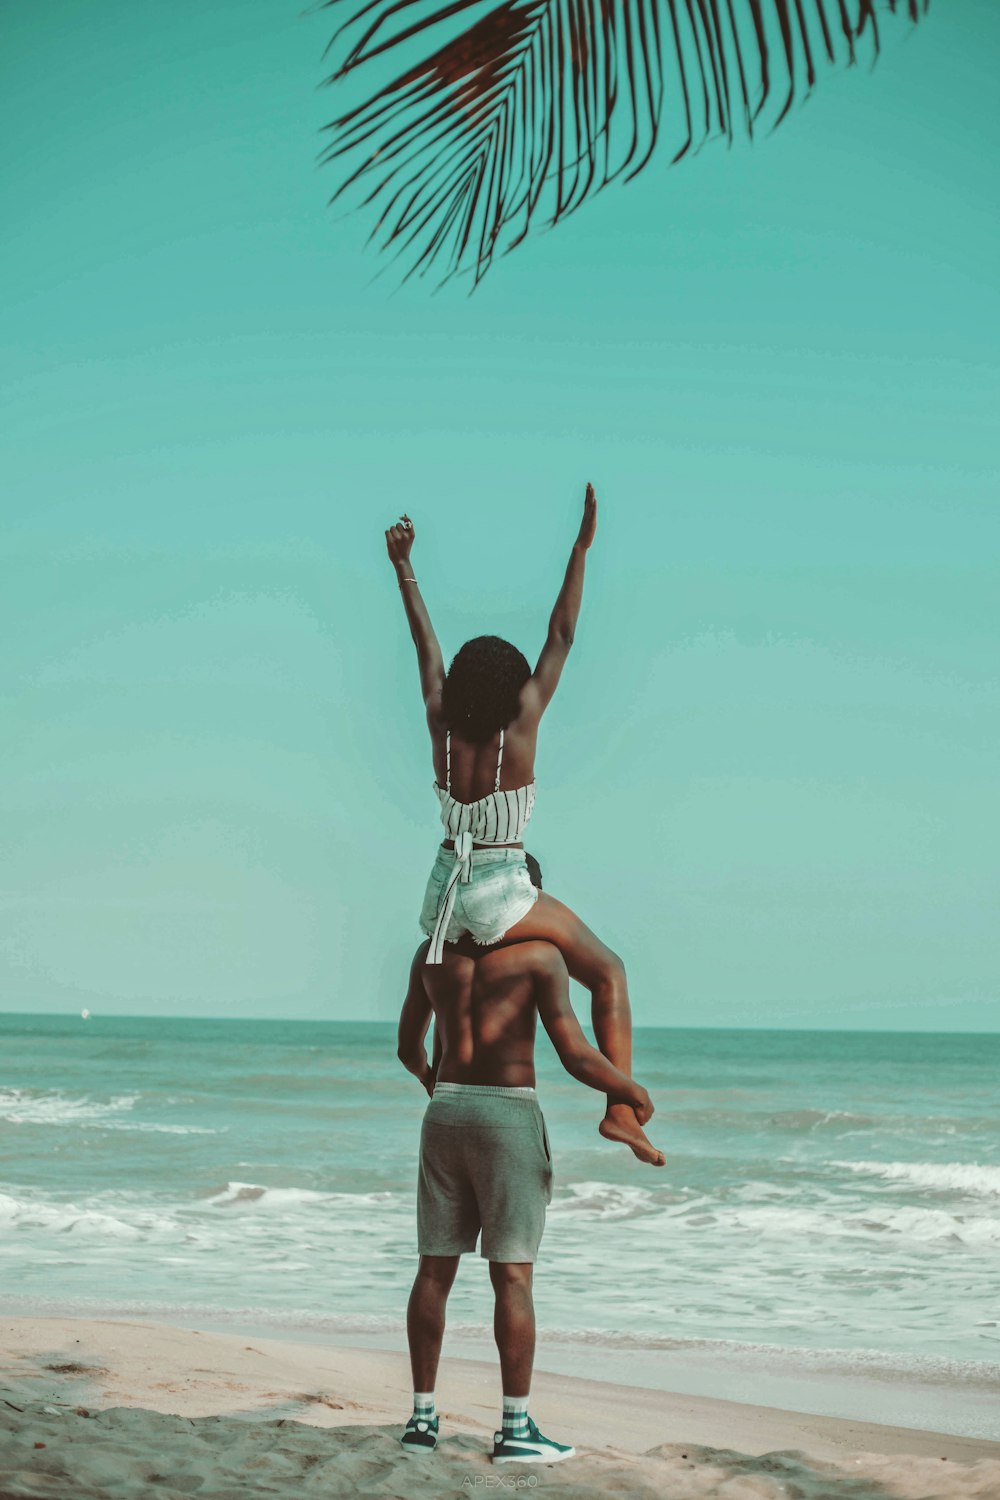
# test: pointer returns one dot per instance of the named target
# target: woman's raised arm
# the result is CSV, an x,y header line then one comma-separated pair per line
x,y
543,682
399,543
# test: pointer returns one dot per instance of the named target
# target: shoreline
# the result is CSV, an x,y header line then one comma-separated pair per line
x,y
257,1402
861,1386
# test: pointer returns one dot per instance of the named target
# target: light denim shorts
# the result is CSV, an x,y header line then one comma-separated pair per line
x,y
499,894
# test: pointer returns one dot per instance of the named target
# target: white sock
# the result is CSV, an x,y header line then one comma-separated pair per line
x,y
423,1405
515,1416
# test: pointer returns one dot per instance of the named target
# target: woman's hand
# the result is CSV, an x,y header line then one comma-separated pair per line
x,y
588,525
399,540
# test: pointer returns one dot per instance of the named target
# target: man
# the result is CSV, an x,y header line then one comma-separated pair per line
x,y
485,1163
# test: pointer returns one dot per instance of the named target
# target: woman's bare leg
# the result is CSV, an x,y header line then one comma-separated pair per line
x,y
602,972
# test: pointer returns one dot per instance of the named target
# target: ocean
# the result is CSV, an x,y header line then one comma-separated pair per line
x,y
830,1207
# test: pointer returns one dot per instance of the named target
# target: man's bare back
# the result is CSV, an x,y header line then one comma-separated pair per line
x,y
485,1006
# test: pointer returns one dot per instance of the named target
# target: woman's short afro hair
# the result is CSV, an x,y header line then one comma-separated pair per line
x,y
482,690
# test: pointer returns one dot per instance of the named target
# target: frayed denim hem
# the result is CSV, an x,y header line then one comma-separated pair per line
x,y
491,942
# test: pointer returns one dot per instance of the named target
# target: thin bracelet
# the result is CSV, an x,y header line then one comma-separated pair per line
x,y
407,580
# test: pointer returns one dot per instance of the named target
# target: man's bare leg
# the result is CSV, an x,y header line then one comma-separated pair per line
x,y
602,972
514,1324
514,1327
425,1313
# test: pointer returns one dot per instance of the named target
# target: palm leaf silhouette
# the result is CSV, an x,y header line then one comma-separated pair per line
x,y
536,105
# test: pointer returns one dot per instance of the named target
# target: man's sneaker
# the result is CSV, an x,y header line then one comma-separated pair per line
x,y
530,1449
420,1437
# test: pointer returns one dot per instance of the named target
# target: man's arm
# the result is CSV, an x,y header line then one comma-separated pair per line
x,y
414,1019
577,1056
399,542
538,690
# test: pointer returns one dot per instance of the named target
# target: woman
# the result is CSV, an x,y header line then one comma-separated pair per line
x,y
483,717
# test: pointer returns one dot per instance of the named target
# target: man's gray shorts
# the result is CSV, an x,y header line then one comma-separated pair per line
x,y
485,1164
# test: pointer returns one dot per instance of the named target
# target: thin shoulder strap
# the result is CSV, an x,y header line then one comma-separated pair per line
x,y
447,784
496,787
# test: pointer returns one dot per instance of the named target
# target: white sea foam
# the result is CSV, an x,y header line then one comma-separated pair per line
x,y
53,1107
67,1218
762,1209
877,1219
603,1200
950,1177
245,1194
292,1214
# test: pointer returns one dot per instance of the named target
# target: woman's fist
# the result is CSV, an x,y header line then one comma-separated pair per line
x,y
399,540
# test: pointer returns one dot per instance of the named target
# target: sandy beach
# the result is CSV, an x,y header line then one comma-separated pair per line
x,y
116,1409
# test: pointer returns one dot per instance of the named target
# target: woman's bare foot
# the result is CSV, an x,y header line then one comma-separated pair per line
x,y
620,1124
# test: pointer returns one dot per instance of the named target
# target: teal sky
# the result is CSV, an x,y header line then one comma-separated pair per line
x,y
769,779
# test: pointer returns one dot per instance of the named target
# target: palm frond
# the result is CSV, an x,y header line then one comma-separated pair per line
x,y
533,106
